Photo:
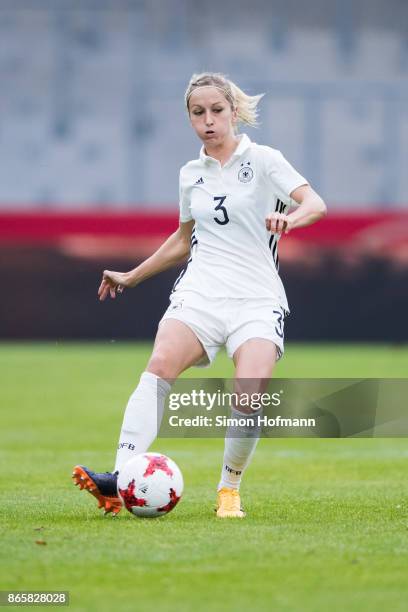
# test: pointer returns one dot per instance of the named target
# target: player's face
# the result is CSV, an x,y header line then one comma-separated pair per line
x,y
211,115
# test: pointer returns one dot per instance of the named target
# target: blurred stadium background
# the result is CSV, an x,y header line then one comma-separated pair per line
x,y
93,132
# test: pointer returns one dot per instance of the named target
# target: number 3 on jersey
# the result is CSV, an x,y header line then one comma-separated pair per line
x,y
222,209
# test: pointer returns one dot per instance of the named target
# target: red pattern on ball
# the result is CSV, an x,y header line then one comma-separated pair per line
x,y
174,499
128,496
157,463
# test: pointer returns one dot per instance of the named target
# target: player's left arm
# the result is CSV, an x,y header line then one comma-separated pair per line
x,y
311,209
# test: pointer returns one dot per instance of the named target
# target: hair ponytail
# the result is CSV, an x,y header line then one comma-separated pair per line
x,y
247,106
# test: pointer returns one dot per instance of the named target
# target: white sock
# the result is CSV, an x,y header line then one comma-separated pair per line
x,y
240,445
142,419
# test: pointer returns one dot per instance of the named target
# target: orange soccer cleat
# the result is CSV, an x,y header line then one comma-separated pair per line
x,y
100,485
229,504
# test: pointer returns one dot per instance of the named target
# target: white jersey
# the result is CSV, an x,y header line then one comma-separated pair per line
x,y
232,253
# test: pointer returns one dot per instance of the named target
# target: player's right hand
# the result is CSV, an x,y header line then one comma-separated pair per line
x,y
112,283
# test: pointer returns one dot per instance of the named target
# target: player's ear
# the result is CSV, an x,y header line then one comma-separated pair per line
x,y
235,115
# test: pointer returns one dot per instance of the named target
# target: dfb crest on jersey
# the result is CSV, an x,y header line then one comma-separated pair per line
x,y
246,174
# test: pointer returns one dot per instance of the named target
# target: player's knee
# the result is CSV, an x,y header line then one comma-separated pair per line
x,y
160,364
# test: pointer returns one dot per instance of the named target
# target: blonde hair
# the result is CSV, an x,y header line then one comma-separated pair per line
x,y
245,105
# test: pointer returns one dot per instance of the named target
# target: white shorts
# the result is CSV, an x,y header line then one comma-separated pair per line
x,y
227,322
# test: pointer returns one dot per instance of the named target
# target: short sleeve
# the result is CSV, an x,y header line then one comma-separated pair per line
x,y
184,201
282,176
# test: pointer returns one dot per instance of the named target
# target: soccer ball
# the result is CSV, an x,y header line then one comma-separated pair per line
x,y
150,485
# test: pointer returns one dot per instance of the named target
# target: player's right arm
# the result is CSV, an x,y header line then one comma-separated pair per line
x,y
172,252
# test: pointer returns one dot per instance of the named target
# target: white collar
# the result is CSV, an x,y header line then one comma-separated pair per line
x,y
243,145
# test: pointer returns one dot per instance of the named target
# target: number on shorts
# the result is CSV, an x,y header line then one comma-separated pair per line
x,y
279,321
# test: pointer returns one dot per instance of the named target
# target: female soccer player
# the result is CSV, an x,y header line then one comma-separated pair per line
x,y
234,206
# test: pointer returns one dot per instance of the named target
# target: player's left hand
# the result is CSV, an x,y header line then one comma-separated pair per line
x,y
112,283
278,223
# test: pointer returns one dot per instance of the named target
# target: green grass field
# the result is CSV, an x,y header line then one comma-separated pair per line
x,y
327,524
